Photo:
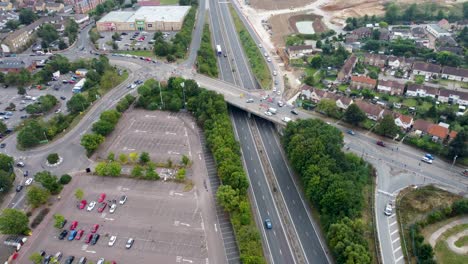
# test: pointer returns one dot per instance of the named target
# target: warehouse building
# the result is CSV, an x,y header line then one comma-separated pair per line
x,y
146,18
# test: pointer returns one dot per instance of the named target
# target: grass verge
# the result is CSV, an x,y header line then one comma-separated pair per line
x,y
255,57
139,53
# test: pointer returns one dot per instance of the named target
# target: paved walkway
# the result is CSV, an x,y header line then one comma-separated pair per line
x,y
440,231
451,243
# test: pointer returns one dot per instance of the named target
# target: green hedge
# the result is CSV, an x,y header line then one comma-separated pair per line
x,y
206,59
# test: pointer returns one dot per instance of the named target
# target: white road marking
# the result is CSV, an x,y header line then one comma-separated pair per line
x,y
109,219
187,260
399,258
180,194
393,224
91,251
185,224
216,229
398,248
396,239
393,232
386,193
170,133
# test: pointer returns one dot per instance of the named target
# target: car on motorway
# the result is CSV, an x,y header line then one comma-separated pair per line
x,y
101,197
64,222
112,240
268,224
380,143
95,228
63,234
275,73
388,210
88,238
250,100
101,261
102,206
129,243
351,132
28,181
123,199
95,239
269,59
91,206
72,235
278,92
19,188
112,208
70,260
429,156
58,111
82,204
294,112
73,225
79,234
426,160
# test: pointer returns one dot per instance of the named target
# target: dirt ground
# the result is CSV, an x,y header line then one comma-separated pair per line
x,y
277,4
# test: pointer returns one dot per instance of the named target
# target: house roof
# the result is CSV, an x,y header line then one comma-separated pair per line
x,y
300,47
345,100
428,89
405,119
455,71
349,64
447,41
369,109
362,31
427,67
448,93
453,134
418,31
443,22
380,57
422,125
363,79
14,64
438,131
392,84
148,3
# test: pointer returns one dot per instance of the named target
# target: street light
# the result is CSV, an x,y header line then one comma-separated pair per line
x,y
454,160
183,92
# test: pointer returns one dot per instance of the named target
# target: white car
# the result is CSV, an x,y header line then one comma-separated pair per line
x,y
123,199
427,160
269,59
274,88
268,113
250,100
91,206
101,261
112,240
388,210
112,208
58,111
28,181
278,92
275,73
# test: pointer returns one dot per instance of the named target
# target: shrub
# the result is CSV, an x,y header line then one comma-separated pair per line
x,y
65,179
38,219
53,158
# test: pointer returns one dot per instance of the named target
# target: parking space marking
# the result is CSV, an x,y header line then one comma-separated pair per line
x,y
396,250
396,239
391,234
394,223
400,258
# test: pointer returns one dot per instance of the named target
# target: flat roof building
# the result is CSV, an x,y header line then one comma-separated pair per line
x,y
146,18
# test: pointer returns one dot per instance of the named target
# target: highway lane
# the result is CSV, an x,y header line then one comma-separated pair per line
x,y
266,208
305,227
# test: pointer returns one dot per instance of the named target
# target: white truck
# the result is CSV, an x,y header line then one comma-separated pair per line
x,y
272,110
286,119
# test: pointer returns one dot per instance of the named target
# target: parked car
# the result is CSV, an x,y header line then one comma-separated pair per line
x,y
91,206
73,225
58,256
28,181
112,208
123,199
129,243
26,173
72,235
95,239
101,197
351,132
102,206
63,97
70,260
79,234
388,210
380,143
63,234
64,222
426,160
88,238
82,260
101,261
268,224
3,145
94,228
294,112
82,204
112,240
19,188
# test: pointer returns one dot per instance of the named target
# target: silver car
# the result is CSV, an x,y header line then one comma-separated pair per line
x,y
388,210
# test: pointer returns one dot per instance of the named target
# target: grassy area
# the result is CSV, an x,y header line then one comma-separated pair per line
x,y
414,205
139,53
450,83
410,102
367,124
444,254
462,241
257,62
310,71
169,2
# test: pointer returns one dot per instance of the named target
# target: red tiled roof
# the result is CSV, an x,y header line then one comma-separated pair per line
x,y
369,108
363,79
438,131
453,134
405,119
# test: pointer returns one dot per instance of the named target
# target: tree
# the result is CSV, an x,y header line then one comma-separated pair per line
x,y
37,196
144,158
53,158
391,13
354,114
185,160
36,258
6,181
58,218
65,179
77,103
180,176
27,16
21,90
383,24
114,168
62,45
137,171
103,127
459,145
13,222
12,24
3,127
318,44
151,173
123,158
48,181
309,80
111,156
79,194
228,198
101,169
316,62
91,142
48,33
448,58
328,107
133,156
109,80
387,127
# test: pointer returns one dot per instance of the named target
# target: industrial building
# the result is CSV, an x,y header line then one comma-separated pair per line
x,y
146,18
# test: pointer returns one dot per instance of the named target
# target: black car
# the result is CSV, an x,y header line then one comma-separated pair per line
x,y
19,188
63,234
95,239
123,33
26,173
47,259
3,145
294,112
42,253
70,260
62,225
63,97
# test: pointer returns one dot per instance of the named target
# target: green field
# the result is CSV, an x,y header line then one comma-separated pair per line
x,y
462,241
169,2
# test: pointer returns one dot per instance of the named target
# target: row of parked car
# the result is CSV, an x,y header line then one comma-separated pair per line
x,y
69,260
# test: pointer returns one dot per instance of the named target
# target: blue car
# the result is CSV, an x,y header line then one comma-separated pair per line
x,y
268,224
351,132
429,156
72,235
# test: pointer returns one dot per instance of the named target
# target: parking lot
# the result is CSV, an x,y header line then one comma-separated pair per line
x,y
130,41
163,135
164,220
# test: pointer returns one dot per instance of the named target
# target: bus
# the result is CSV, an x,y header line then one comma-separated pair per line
x,y
218,50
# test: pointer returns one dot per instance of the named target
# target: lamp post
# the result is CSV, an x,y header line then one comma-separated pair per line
x,y
183,92
454,160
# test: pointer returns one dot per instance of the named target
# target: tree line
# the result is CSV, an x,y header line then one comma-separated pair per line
x,y
210,111
334,182
206,58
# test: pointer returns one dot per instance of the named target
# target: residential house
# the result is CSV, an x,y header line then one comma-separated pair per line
x,y
444,24
363,82
400,62
312,94
403,33
343,102
461,24
439,133
15,65
347,68
421,126
39,6
446,41
377,60
372,112
358,34
54,7
456,74
6,6
426,69
453,97
298,51
421,90
436,31
84,6
384,34
390,87
455,50
80,18
418,32
403,121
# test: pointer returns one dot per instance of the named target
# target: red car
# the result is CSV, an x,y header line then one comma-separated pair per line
x,y
82,204
101,198
380,143
102,206
73,225
71,81
94,228
88,238
79,234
